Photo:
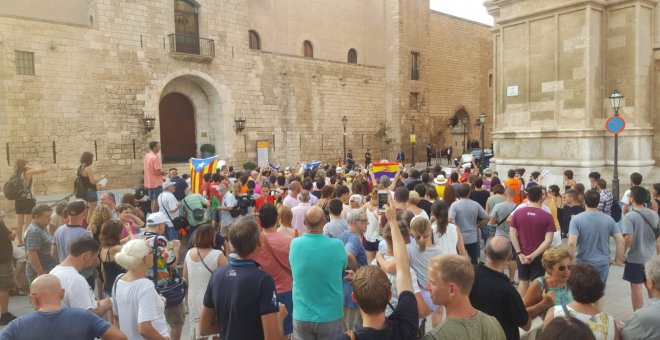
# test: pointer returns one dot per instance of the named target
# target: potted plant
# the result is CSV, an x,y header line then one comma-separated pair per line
x,y
249,166
207,150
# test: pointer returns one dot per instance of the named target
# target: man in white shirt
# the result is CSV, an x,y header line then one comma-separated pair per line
x,y
83,254
298,221
291,200
168,204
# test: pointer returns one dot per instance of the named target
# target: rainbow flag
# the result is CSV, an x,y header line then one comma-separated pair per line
x,y
199,167
385,169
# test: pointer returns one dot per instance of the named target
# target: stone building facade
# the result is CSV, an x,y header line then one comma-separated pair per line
x,y
82,75
557,61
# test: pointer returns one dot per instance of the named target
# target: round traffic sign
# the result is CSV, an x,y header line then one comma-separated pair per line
x,y
615,124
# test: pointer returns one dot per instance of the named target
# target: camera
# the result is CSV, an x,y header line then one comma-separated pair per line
x,y
245,201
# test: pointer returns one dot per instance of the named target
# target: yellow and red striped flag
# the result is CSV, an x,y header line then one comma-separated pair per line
x,y
199,167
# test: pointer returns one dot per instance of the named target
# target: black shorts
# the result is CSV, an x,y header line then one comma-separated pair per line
x,y
528,272
634,273
24,206
371,246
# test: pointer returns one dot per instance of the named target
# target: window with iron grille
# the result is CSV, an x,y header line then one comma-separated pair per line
x,y
414,66
24,63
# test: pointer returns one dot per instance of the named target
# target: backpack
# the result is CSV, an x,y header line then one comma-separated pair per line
x,y
79,189
13,188
615,211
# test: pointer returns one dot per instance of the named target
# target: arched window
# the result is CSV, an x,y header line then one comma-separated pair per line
x,y
255,41
308,49
352,56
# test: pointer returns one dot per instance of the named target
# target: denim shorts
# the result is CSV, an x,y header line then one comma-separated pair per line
x,y
91,195
153,193
286,298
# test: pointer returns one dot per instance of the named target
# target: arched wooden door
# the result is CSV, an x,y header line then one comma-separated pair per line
x,y
177,128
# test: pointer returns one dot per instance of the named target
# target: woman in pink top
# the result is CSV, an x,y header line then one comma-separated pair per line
x,y
274,259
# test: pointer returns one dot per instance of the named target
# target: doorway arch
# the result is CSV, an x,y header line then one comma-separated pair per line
x,y
177,128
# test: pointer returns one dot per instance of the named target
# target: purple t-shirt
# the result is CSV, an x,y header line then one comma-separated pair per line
x,y
531,225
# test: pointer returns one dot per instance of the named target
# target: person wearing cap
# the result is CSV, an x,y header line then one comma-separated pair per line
x,y
440,182
168,204
157,224
67,233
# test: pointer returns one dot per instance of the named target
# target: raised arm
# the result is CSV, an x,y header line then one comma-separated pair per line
x,y
403,279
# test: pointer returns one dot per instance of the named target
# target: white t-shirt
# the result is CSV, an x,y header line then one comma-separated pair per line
x,y
136,302
77,292
392,277
448,241
166,200
626,197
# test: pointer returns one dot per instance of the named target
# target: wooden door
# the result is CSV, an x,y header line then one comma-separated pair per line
x,y
177,128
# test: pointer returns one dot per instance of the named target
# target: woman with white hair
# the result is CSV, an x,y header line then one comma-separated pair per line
x,y
139,310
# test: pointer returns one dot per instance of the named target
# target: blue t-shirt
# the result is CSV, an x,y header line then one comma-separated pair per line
x,y
66,323
241,293
353,245
593,230
317,264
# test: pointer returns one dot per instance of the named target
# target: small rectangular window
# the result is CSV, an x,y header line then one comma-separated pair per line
x,y
24,63
414,100
414,66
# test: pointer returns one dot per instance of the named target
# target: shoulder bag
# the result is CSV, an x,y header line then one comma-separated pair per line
x,y
201,259
198,213
272,253
507,215
178,222
174,290
656,231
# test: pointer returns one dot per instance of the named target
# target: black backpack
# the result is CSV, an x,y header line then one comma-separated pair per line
x,y
79,189
615,211
13,188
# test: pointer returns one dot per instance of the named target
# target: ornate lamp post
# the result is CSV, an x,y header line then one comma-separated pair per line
x,y
615,100
344,122
149,123
413,119
482,123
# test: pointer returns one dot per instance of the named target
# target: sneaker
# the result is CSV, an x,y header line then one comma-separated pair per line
x,y
6,318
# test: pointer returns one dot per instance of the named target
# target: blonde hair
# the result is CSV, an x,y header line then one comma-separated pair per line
x,y
455,269
554,255
413,197
132,253
285,215
420,227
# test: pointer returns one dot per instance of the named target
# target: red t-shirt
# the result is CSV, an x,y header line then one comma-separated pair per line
x,y
260,201
531,224
280,243
213,191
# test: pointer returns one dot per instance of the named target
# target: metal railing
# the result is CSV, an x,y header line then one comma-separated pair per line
x,y
191,44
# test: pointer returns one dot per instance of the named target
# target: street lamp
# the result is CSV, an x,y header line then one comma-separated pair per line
x,y
615,100
413,119
482,121
464,121
344,122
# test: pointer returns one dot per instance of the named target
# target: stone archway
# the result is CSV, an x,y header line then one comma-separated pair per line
x,y
460,131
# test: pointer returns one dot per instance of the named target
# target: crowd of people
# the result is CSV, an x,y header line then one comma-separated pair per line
x,y
332,252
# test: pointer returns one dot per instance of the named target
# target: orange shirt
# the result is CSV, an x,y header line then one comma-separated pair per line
x,y
515,185
152,165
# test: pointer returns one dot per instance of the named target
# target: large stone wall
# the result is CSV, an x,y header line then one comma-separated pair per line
x,y
461,62
95,82
93,85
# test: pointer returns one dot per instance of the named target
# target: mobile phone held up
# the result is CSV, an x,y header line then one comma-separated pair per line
x,y
382,200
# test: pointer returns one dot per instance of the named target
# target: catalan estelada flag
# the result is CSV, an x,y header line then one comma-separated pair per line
x,y
198,168
385,169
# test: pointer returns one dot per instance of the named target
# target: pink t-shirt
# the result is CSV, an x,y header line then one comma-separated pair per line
x,y
280,244
531,224
151,166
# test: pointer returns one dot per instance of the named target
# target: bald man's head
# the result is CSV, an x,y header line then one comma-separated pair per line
x,y
46,290
498,249
314,218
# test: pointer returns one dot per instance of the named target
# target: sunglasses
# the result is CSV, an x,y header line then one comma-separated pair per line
x,y
361,219
563,267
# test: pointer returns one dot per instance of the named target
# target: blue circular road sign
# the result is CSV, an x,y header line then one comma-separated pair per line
x,y
615,125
